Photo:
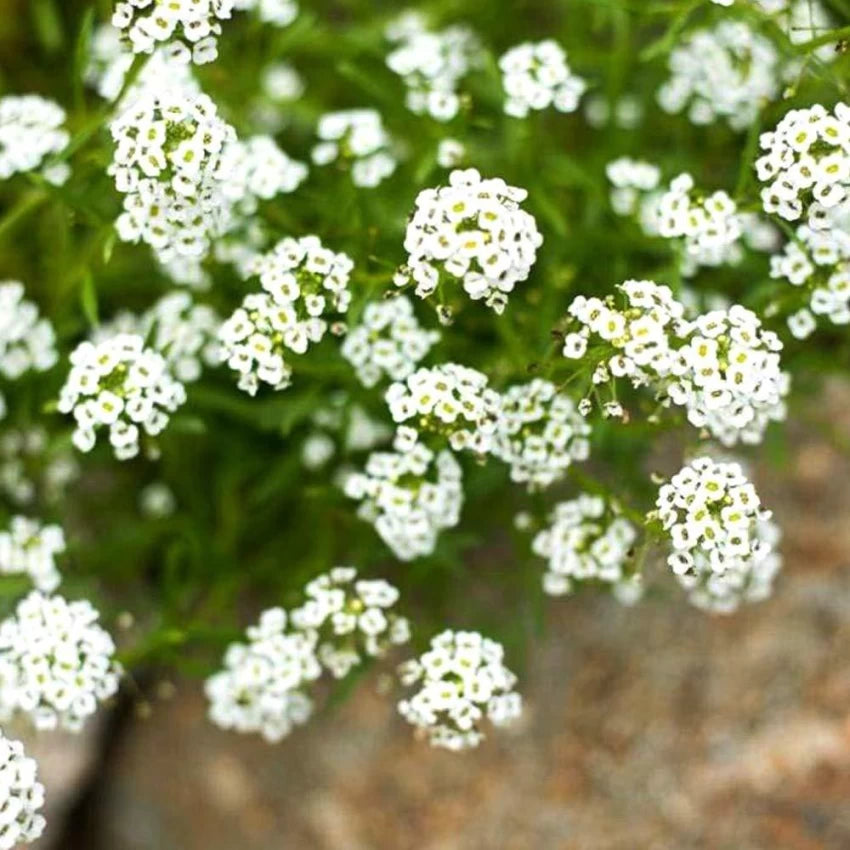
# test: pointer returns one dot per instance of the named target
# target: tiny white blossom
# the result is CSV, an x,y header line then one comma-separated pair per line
x,y
30,548
30,132
21,796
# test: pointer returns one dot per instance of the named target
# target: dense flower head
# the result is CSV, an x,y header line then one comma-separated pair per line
x,y
27,341
462,680
726,72
30,132
168,165
723,367
30,548
450,400
121,385
191,27
353,618
709,225
304,282
356,138
630,179
261,687
723,540
732,384
535,75
56,662
409,494
280,13
31,469
257,169
21,796
432,64
472,231
587,540
539,433
387,342
806,164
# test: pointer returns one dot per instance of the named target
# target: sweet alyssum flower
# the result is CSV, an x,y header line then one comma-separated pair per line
x,y
257,169
387,342
21,796
303,282
451,153
191,27
709,225
30,548
31,469
30,132
535,75
448,400
261,688
539,433
168,165
722,367
352,617
356,139
56,662
27,341
471,232
723,540
587,540
726,72
806,164
121,385
462,680
631,179
432,64
409,494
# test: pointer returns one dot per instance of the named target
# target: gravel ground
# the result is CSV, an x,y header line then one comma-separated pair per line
x,y
652,728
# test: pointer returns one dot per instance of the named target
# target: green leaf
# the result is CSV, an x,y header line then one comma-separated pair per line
x,y
88,299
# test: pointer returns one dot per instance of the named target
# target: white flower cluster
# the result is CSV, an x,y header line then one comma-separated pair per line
x,y
732,383
451,400
473,231
819,260
56,662
357,139
21,796
388,341
409,494
462,680
109,61
261,688
30,132
167,164
191,27
123,386
631,179
185,333
723,541
27,342
539,433
727,72
806,164
710,226
432,64
30,548
535,75
723,367
258,169
303,281
31,470
587,540
280,13
352,618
